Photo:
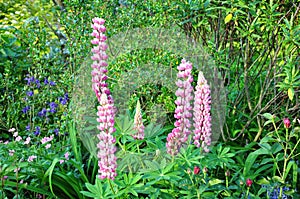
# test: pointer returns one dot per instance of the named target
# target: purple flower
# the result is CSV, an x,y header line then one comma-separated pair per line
x,y
138,123
56,131
29,79
64,100
52,83
29,93
46,82
202,117
37,131
42,113
53,107
38,84
27,127
26,109
66,95
180,133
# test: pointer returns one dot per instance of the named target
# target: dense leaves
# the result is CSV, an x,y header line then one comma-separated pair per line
x,y
45,46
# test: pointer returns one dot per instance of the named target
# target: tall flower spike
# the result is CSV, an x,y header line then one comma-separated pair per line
x,y
106,111
106,149
99,57
138,123
202,117
180,133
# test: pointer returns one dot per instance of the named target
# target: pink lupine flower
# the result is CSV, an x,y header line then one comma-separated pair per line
x,y
31,158
202,117
61,161
106,149
138,123
99,57
106,110
180,133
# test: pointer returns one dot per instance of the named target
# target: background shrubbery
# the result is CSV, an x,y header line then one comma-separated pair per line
x,y
255,46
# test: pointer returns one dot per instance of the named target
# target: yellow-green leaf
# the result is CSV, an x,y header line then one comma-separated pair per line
x,y
214,182
228,18
291,93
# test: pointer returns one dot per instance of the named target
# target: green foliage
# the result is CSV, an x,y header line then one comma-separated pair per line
x,y
255,46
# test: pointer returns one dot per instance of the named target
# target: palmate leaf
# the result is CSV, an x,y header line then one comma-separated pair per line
x,y
100,190
130,161
124,124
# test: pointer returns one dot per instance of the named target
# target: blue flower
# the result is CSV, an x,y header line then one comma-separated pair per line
x,y
52,83
56,131
37,130
38,84
26,109
28,127
53,107
29,93
30,79
42,113
274,192
64,100
66,96
46,81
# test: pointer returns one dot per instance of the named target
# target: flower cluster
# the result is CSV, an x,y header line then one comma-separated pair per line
x,y
201,111
274,192
33,83
106,111
106,154
138,123
47,139
202,117
99,57
180,133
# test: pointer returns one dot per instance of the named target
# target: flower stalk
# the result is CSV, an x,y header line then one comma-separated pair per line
x,y
106,110
180,133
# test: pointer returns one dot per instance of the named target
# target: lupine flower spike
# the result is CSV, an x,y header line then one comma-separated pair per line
x,y
106,111
202,117
180,133
106,149
138,123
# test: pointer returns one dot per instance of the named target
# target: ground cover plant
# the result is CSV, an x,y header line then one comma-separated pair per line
x,y
149,99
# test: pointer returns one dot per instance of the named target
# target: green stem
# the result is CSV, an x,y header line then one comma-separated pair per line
x,y
111,187
294,150
138,147
227,182
247,193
